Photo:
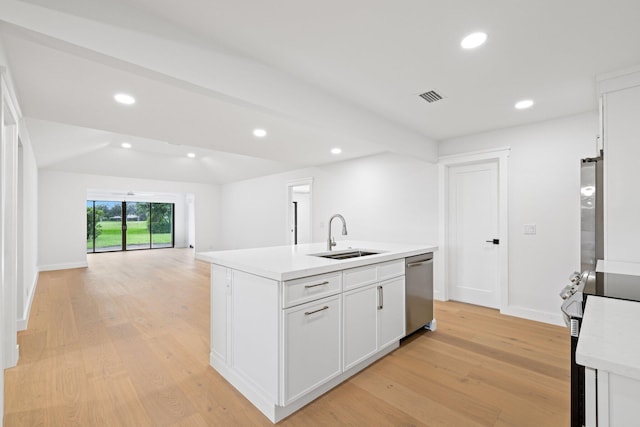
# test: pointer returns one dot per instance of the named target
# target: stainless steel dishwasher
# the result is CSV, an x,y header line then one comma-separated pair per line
x,y
419,292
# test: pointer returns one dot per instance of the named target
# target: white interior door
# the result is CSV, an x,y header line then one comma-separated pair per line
x,y
473,226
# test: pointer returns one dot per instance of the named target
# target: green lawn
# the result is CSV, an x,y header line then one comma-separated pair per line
x,y
137,234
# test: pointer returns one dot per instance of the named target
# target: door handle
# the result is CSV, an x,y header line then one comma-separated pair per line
x,y
380,298
494,241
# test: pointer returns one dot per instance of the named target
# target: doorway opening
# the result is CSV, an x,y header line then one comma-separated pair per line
x,y
124,226
299,211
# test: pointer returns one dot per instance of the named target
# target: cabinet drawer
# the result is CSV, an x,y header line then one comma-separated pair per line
x,y
307,289
389,269
360,276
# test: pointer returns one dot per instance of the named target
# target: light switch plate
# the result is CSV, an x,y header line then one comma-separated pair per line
x,y
530,229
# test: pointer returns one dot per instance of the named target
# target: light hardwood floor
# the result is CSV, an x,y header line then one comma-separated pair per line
x,y
126,343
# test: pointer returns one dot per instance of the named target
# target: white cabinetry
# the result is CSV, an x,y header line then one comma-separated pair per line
x,y
284,343
360,324
220,293
374,318
611,399
608,349
620,116
311,288
391,313
311,346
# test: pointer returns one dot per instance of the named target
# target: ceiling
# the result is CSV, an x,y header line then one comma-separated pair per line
x,y
316,76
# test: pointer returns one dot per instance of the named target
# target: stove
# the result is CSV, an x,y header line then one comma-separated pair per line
x,y
610,280
614,285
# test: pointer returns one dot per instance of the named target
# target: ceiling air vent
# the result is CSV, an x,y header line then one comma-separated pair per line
x,y
431,96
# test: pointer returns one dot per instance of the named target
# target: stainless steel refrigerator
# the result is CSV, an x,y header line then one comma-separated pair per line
x,y
591,250
591,213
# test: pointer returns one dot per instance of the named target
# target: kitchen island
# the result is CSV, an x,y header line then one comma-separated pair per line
x,y
289,324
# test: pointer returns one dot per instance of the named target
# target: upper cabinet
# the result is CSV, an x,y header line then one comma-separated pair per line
x,y
620,121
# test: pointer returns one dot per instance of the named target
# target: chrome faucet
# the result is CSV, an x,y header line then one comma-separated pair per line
x,y
330,241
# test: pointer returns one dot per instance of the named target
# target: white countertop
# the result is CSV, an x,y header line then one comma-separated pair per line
x,y
292,262
609,336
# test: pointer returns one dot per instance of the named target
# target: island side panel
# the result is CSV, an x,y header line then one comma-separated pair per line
x,y
220,293
254,331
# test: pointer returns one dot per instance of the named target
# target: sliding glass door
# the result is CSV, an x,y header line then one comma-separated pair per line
x,y
137,228
142,226
161,225
104,226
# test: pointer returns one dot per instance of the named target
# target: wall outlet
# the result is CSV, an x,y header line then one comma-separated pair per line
x,y
530,229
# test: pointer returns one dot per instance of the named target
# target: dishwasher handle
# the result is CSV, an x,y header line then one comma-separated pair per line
x,y
416,264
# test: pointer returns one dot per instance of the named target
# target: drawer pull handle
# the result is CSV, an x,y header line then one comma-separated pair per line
x,y
317,284
307,313
416,264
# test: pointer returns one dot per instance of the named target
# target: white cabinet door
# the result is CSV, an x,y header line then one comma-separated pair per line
x,y
616,399
391,313
622,150
374,317
311,346
360,324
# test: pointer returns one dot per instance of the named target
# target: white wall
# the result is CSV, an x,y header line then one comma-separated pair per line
x,y
544,189
386,197
62,201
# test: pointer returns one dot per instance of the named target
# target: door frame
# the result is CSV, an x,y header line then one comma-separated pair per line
x,y
9,137
501,155
289,216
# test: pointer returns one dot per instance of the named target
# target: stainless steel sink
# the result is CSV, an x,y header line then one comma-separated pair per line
x,y
351,253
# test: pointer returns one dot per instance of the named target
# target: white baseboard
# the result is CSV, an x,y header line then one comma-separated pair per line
x,y
526,313
537,315
23,323
12,358
66,266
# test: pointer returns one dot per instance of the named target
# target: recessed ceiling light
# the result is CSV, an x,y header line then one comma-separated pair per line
x,y
525,103
191,155
336,150
260,133
123,98
473,40
125,145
